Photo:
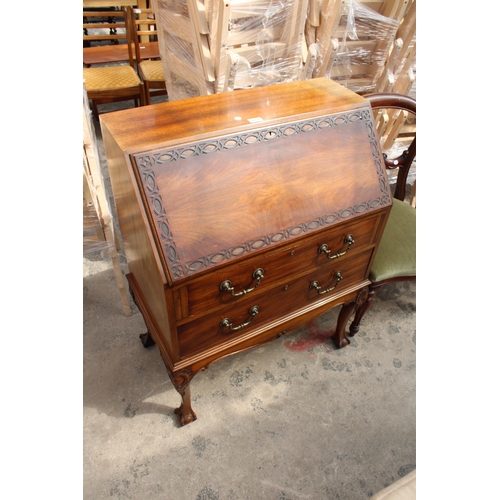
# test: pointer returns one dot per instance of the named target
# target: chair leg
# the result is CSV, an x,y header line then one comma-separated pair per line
x,y
362,308
147,93
144,100
339,338
93,106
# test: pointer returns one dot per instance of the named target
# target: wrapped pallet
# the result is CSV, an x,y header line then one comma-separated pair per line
x,y
256,42
354,43
184,48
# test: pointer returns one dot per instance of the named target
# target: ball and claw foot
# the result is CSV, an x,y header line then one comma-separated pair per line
x,y
147,339
182,381
185,417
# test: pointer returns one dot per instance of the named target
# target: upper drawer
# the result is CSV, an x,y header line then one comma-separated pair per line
x,y
206,294
274,304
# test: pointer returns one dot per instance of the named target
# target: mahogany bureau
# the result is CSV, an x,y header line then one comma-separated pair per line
x,y
245,215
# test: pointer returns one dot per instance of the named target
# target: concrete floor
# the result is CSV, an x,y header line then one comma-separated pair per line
x,y
295,419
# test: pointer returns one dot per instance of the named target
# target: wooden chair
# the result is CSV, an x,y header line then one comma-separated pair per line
x,y
396,256
143,37
104,37
118,82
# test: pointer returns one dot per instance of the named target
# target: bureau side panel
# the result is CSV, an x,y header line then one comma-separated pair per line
x,y
141,256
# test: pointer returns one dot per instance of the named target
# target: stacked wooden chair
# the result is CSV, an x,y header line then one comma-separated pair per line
x,y
400,69
212,46
184,48
355,41
220,45
112,82
256,42
143,37
104,37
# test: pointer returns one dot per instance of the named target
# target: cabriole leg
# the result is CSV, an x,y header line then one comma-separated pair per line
x,y
361,310
181,381
339,337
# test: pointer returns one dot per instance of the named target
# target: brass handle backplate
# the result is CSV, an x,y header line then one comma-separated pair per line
x,y
348,240
226,322
315,284
227,286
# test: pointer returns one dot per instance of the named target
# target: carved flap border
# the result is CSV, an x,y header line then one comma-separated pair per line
x,y
146,163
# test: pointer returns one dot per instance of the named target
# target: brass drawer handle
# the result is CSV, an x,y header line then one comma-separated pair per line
x,y
315,284
227,286
226,322
348,240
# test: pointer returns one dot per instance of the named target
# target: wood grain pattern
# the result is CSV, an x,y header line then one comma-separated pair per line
x,y
279,179
296,259
171,123
142,258
274,305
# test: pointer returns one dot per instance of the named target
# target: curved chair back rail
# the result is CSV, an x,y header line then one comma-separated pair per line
x,y
396,255
405,103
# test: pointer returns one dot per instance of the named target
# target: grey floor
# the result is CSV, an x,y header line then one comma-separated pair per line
x,y
295,419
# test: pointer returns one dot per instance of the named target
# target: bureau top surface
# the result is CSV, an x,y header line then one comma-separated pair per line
x,y
224,193
168,123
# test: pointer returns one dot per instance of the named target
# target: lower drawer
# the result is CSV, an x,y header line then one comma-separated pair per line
x,y
252,314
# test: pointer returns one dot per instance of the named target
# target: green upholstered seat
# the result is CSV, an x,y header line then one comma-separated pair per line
x,y
396,257
397,252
